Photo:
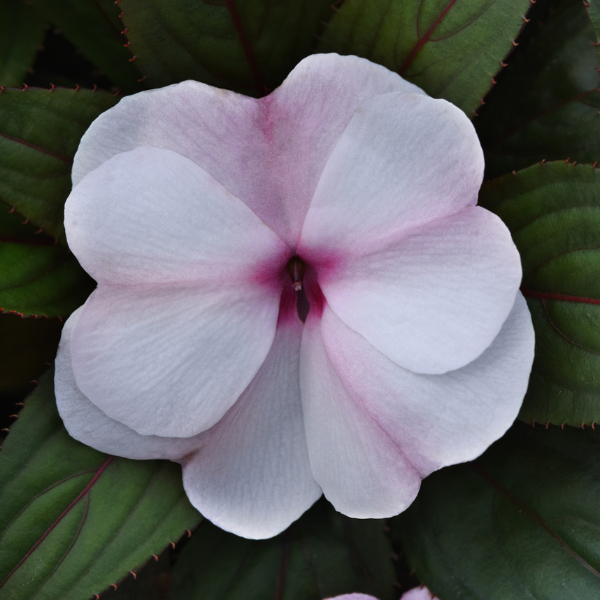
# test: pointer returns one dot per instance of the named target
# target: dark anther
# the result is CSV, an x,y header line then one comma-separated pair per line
x,y
296,270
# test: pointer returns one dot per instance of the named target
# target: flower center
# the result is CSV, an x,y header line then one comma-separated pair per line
x,y
295,268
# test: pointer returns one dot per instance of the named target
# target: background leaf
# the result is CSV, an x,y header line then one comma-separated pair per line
x,y
593,8
21,33
41,280
245,45
95,28
74,520
26,348
520,522
39,134
321,555
151,583
553,213
38,276
546,104
450,49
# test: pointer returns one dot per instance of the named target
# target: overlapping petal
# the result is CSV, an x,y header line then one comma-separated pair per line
x,y
87,423
360,468
432,300
189,201
171,361
253,476
269,152
402,161
152,217
375,429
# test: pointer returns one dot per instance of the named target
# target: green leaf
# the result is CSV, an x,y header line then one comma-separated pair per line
x,y
41,280
593,8
450,49
21,32
521,522
244,45
39,134
95,28
321,555
546,105
26,348
73,520
151,583
553,213
37,276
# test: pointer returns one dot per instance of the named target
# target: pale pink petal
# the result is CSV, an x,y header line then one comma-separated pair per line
x,y
436,420
403,160
88,424
362,471
171,361
419,593
269,153
153,217
433,300
252,476
352,597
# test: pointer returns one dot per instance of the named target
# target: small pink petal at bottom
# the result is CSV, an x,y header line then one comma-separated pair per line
x,y
419,593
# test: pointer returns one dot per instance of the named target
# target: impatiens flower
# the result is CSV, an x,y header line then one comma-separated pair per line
x,y
205,216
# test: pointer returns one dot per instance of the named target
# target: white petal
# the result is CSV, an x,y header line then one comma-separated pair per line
x,y
360,468
269,153
355,596
403,160
154,217
253,476
88,424
419,593
171,361
437,420
433,300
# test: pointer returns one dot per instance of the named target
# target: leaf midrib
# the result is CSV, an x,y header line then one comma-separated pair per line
x,y
534,517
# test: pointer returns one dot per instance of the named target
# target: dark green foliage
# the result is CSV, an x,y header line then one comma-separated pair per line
x,y
247,45
39,134
553,212
546,105
450,49
95,27
321,555
74,520
521,522
21,33
38,276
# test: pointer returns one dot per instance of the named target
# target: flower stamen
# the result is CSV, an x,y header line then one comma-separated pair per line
x,y
295,268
